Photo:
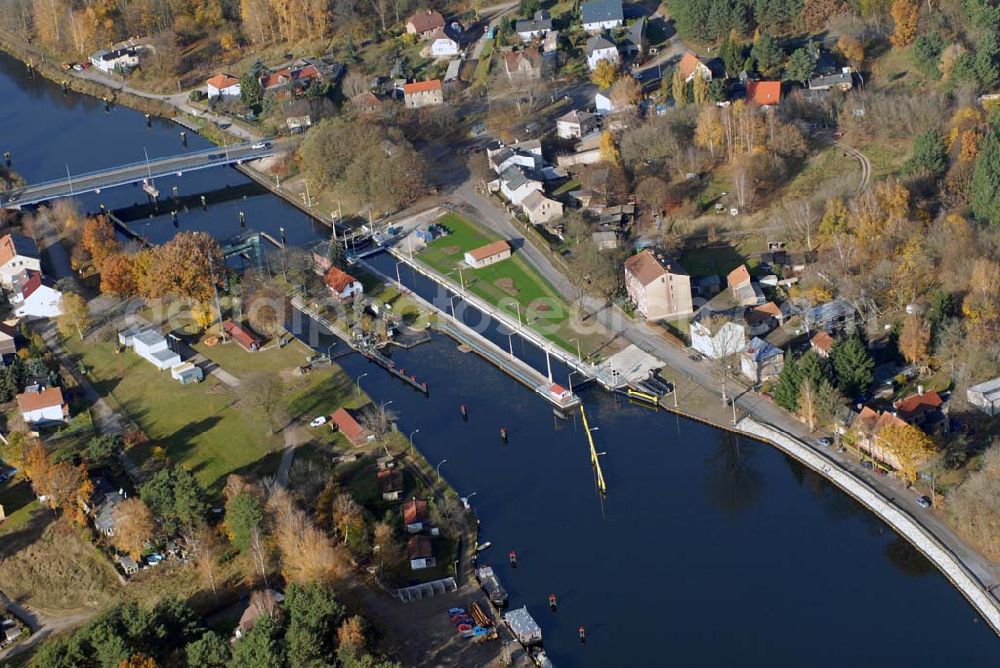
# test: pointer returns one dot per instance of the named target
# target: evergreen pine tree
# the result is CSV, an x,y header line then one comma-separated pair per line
x,y
786,392
852,365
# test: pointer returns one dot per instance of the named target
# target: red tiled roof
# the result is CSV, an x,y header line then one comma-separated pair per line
x,y
489,250
366,100
764,92
738,276
32,401
349,427
419,547
414,511
688,64
427,20
245,338
337,280
33,283
221,81
421,86
918,403
390,480
822,342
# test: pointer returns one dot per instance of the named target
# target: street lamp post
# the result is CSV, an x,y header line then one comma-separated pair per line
x,y
412,434
579,356
328,349
358,382
438,468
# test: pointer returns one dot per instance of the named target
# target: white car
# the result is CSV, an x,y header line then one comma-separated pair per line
x,y
259,145
318,422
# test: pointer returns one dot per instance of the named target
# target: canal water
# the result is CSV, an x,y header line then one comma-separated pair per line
x,y
709,550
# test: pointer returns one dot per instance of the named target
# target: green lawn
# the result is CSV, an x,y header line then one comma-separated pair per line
x,y
18,503
507,282
241,363
199,426
828,164
718,260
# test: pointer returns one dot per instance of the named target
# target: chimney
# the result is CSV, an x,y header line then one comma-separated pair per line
x,y
920,390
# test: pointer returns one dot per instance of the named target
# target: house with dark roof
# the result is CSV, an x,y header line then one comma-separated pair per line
x,y
8,340
659,287
635,40
34,296
347,425
416,517
598,49
598,15
115,60
424,23
390,482
841,81
761,361
243,336
516,183
420,552
538,26
575,124
17,253
104,515
263,603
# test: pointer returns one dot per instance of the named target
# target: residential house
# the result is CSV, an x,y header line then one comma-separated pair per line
x,y
8,340
17,253
104,513
342,285
598,15
764,93
540,209
420,552
605,240
423,94
524,64
292,80
833,316
442,45
575,124
34,296
366,103
263,602
42,406
390,482
923,409
127,564
516,184
635,41
985,396
843,80
187,373
526,154
415,515
297,123
658,287
424,23
151,345
115,60
491,253
539,26
246,339
349,427
763,318
605,104
718,338
745,291
223,85
822,343
598,49
866,427
761,361
550,53
691,66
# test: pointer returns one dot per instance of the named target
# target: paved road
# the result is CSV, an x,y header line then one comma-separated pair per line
x,y
152,169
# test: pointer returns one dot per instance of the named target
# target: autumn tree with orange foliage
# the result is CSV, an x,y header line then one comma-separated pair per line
x,y
307,553
911,447
138,661
352,633
915,339
134,526
189,266
852,49
118,275
905,14
99,240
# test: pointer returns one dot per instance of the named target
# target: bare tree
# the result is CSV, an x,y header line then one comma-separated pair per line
x,y
801,219
205,548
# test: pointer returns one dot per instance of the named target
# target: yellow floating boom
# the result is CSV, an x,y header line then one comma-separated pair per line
x,y
601,487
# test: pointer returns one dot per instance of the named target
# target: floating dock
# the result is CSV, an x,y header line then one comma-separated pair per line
x,y
523,626
491,585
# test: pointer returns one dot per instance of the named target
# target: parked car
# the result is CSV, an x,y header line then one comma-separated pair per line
x,y
259,145
78,67
867,465
318,422
923,502
825,442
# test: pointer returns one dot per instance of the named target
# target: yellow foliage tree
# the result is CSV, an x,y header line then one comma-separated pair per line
x,y
905,14
852,49
911,447
699,89
133,526
608,149
915,339
605,74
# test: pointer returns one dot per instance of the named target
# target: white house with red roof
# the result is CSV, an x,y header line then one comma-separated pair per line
x,y
17,253
342,285
33,296
40,406
423,94
223,85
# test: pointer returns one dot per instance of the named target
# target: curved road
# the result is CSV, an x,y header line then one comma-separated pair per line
x,y
866,165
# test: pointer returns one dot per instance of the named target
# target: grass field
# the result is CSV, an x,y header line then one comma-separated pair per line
x,y
718,260
508,281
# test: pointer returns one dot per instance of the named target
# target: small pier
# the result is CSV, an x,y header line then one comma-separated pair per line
x,y
594,455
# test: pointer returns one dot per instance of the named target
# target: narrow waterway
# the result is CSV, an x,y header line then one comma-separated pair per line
x,y
710,549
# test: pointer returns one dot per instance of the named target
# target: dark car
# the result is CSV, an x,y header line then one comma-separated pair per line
x,y
867,465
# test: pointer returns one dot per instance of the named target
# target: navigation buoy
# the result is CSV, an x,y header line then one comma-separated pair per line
x,y
173,217
583,634
552,602
204,203
503,434
243,219
6,157
184,138
149,120
512,556
465,412
107,103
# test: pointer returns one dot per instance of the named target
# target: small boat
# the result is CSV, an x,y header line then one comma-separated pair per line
x,y
485,546
456,611
464,627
